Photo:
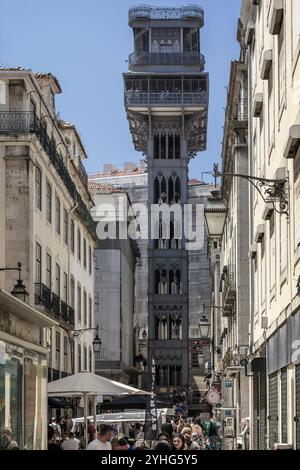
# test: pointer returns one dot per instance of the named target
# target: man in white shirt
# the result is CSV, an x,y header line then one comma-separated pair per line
x,y
71,443
103,440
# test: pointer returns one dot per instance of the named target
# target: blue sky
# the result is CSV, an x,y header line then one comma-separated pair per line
x,y
85,43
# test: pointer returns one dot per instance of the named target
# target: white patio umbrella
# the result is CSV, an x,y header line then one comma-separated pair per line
x,y
86,384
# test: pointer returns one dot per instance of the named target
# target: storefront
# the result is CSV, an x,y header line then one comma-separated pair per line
x,y
23,373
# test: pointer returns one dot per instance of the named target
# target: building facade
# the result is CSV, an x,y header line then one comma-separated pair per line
x,y
266,148
115,286
46,223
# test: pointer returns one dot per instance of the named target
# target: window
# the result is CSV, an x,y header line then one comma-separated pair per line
x,y
85,358
66,227
296,24
38,263
49,203
90,313
79,357
271,108
72,292
281,70
84,253
57,350
65,298
66,368
272,272
57,279
38,188
49,346
84,308
90,360
79,303
57,215
79,245
72,236
90,260
48,271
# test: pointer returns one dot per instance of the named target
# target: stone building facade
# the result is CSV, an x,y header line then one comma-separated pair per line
x,y
115,262
46,224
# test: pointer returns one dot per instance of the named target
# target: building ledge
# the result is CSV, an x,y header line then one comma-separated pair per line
x,y
24,311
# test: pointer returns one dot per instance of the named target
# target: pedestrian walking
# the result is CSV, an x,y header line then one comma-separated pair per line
x,y
179,443
103,439
70,443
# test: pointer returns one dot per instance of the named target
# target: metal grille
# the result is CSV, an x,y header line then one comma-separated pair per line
x,y
259,396
273,410
255,412
262,411
284,404
298,407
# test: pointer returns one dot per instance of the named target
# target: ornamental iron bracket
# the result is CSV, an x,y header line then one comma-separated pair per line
x,y
272,191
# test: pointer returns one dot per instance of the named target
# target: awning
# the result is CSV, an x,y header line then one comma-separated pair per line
x,y
59,403
133,402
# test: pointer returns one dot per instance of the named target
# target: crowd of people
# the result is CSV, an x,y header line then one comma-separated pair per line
x,y
177,435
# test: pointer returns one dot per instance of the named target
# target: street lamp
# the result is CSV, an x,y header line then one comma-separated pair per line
x,y
215,218
204,330
19,291
97,343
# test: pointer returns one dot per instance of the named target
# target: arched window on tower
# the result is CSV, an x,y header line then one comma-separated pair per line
x,y
156,146
177,191
163,147
177,147
170,146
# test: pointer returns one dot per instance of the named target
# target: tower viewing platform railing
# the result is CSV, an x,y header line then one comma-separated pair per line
x,y
147,12
166,58
165,98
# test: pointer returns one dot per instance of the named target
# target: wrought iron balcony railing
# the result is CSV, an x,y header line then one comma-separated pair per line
x,y
82,173
13,122
172,58
71,315
56,305
43,296
64,311
229,287
165,98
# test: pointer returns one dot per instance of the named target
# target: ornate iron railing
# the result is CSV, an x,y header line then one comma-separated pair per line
x,y
27,121
165,13
172,58
56,305
64,311
229,287
71,315
82,173
43,296
165,98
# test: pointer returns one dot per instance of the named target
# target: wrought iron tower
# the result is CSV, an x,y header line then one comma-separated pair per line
x,y
166,100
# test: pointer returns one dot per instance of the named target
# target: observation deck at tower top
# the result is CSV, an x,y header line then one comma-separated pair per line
x,y
187,13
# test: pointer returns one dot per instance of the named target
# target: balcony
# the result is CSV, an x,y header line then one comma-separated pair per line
x,y
64,311
166,99
56,306
146,12
43,296
82,173
168,59
15,122
229,287
53,305
71,316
